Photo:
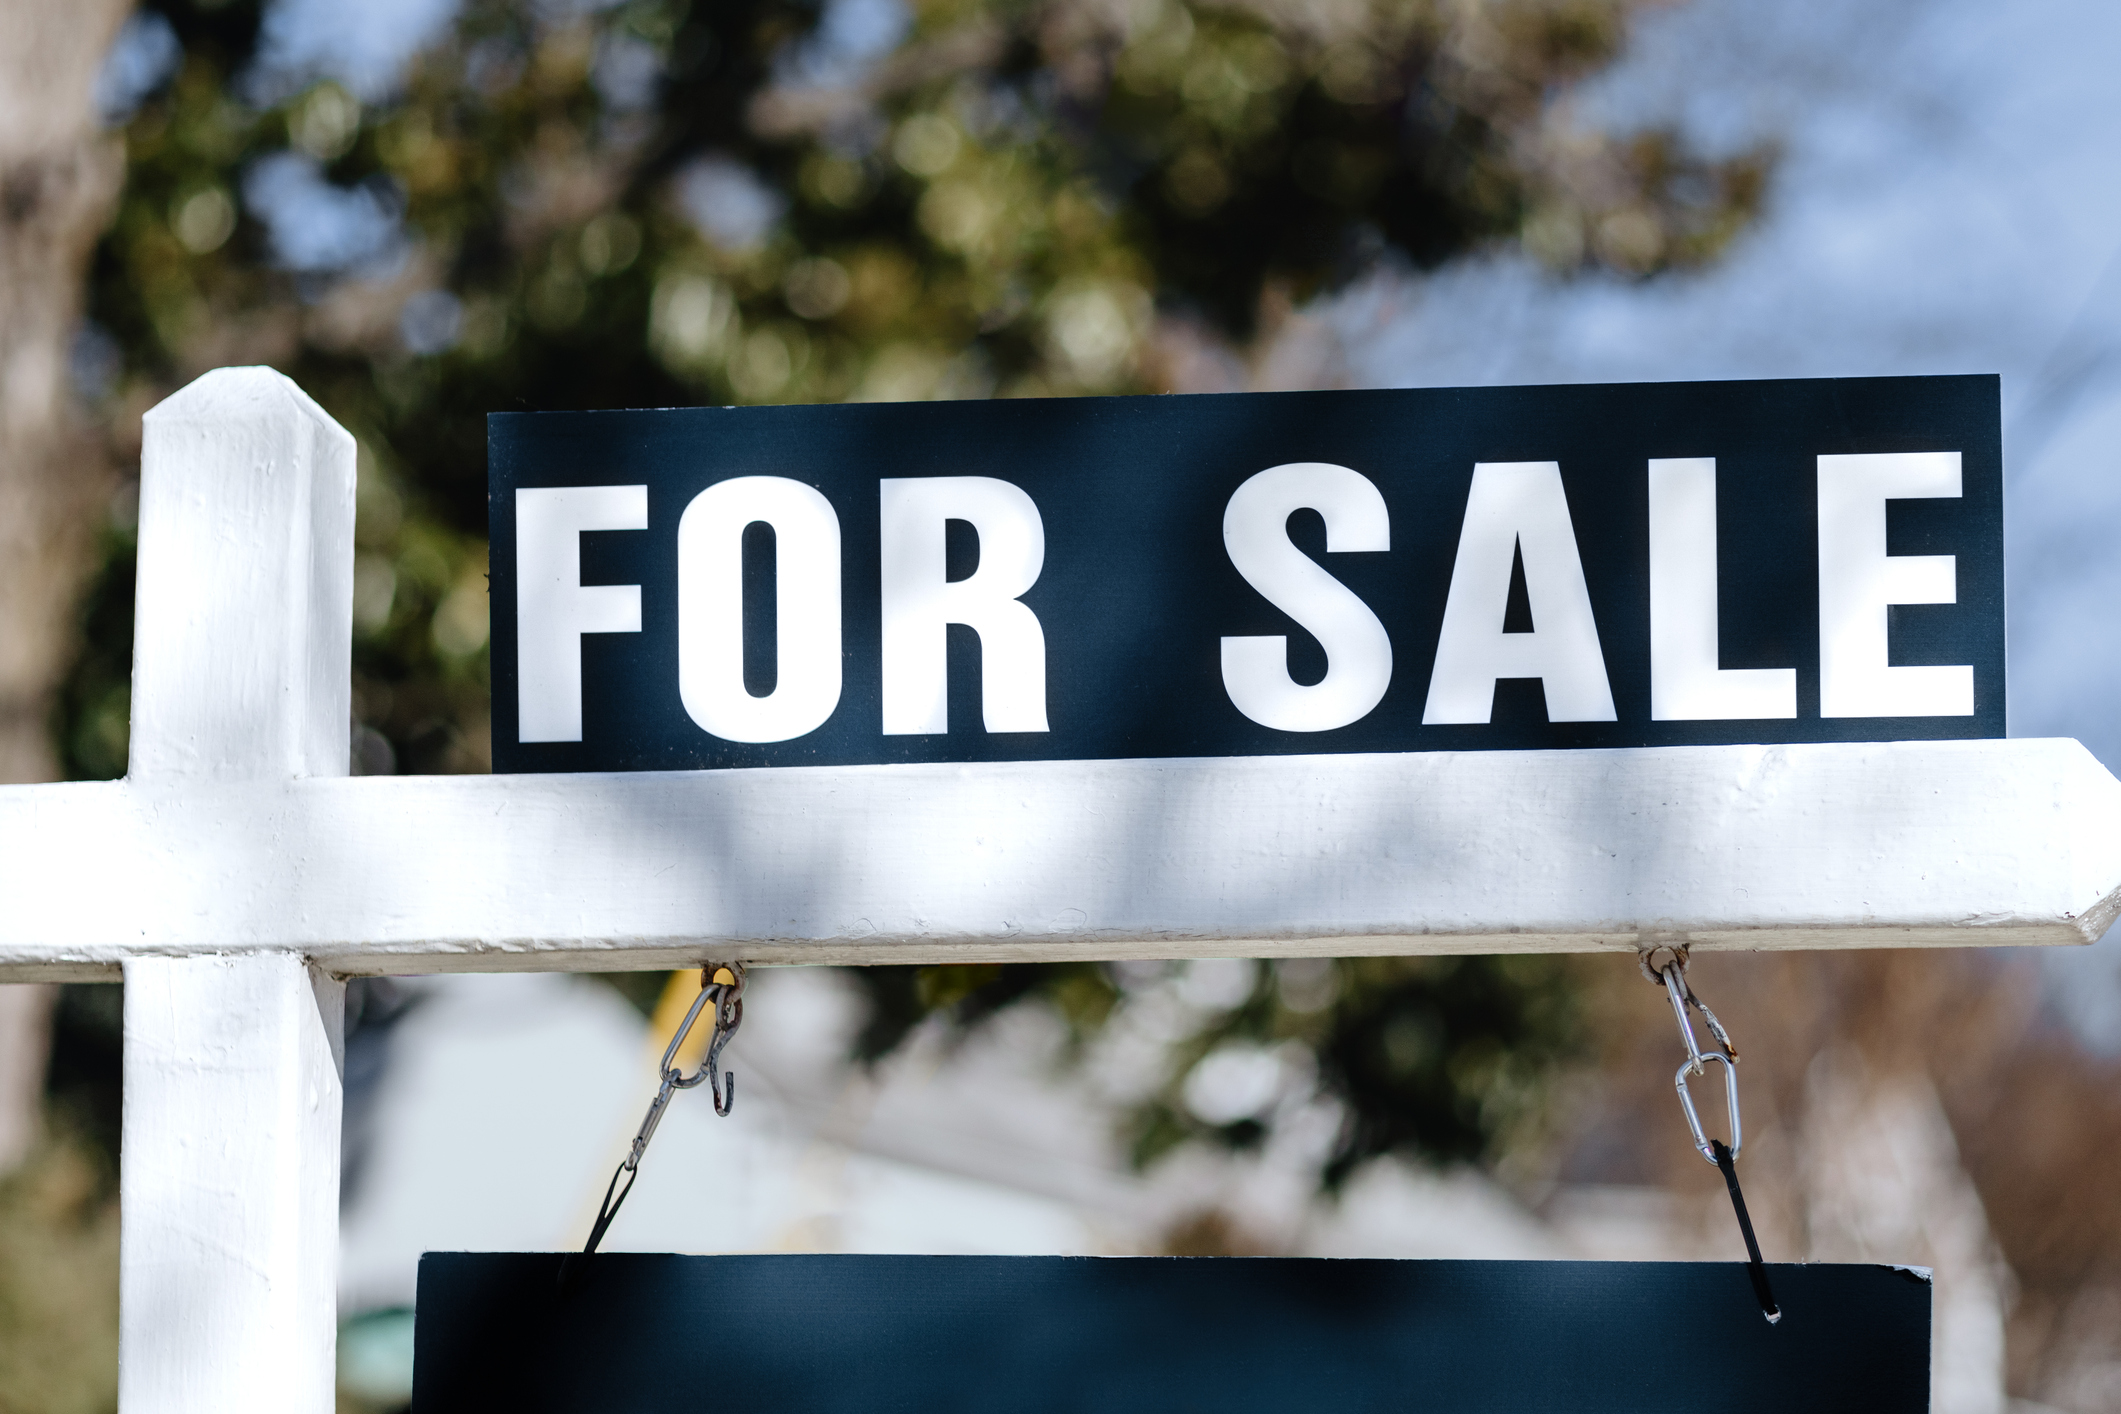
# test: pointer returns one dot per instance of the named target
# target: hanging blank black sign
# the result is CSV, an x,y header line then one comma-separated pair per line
x,y
647,1333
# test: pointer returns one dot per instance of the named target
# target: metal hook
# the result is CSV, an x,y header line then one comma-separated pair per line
x,y
1676,990
1666,964
728,1016
723,984
1669,972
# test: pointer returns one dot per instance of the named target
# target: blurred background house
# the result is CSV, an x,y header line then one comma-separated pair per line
x,y
425,210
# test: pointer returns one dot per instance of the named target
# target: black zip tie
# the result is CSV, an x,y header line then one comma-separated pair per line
x,y
571,1265
608,1210
1755,1268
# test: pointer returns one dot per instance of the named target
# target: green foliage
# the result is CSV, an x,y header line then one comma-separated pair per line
x,y
1024,197
962,997
1442,1059
92,717
1436,1058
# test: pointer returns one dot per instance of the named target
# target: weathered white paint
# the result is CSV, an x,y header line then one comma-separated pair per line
x,y
1848,845
229,1161
229,1185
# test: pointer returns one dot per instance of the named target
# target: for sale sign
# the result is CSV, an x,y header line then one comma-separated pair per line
x,y
1252,574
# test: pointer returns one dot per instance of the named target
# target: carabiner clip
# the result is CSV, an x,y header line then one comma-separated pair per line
x,y
724,987
1730,1097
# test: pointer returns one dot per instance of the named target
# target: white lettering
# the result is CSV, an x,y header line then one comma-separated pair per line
x,y
920,601
554,608
1858,580
806,543
1688,682
1358,651
1513,509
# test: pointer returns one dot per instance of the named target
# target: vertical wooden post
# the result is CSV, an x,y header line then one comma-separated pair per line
x,y
230,1185
229,1166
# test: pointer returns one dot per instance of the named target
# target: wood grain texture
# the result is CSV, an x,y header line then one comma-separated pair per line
x,y
1842,845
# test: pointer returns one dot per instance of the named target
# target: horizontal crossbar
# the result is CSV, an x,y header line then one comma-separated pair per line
x,y
1813,846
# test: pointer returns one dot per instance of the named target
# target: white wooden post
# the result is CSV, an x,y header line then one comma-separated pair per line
x,y
229,1165
229,1185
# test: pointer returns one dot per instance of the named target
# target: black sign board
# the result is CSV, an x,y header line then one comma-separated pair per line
x,y
1159,1335
1418,570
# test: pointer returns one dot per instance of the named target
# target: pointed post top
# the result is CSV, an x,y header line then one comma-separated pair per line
x,y
243,637
243,394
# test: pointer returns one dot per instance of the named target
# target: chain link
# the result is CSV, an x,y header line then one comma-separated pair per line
x,y
1666,965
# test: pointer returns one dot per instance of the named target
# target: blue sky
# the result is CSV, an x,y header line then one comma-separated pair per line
x,y
365,46
1946,203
